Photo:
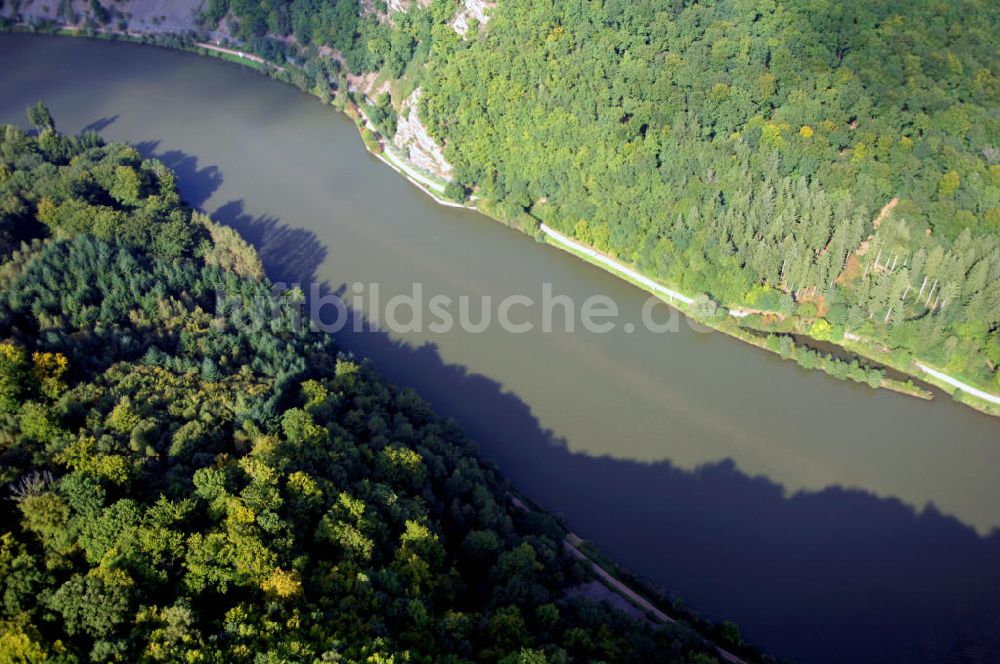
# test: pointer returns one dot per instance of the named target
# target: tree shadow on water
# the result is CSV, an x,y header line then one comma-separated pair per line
x,y
100,124
838,575
830,576
196,184
290,255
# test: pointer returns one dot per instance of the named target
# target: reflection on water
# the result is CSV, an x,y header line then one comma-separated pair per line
x,y
833,523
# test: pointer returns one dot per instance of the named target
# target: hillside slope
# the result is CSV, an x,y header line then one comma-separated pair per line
x,y
745,150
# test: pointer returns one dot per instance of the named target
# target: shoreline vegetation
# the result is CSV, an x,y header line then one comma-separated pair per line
x,y
228,491
636,592
740,323
728,322
865,353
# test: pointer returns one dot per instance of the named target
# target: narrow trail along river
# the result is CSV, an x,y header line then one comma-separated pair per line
x,y
832,522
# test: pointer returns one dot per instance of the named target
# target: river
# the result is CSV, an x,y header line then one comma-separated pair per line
x,y
832,522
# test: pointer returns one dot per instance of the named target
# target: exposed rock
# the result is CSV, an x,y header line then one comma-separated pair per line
x,y
361,82
418,146
392,7
404,5
471,9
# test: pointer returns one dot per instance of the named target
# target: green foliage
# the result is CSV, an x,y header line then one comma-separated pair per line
x,y
808,358
365,38
821,329
743,151
95,605
383,115
229,251
40,117
82,186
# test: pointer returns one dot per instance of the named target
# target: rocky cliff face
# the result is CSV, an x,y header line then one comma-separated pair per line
x,y
468,10
416,144
404,5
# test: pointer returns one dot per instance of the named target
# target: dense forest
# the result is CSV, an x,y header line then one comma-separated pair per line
x,y
745,150
359,32
193,473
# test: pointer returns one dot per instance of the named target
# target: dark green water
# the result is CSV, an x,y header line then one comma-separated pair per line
x,y
832,522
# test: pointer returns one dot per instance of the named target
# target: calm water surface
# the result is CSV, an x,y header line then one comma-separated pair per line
x,y
832,522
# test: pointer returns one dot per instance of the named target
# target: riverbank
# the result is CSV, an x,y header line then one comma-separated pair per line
x,y
381,148
686,305
864,351
388,156
607,575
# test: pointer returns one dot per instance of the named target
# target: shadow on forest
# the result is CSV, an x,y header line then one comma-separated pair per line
x,y
829,576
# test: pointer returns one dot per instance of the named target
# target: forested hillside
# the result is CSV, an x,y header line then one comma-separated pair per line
x,y
359,32
745,149
192,473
